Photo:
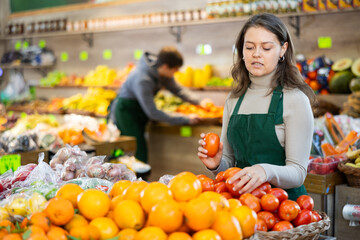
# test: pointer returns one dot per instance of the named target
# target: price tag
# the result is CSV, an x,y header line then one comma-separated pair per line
x,y
185,131
64,56
324,42
107,54
8,162
84,56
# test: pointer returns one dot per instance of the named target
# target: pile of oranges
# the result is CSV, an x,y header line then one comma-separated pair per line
x,y
188,208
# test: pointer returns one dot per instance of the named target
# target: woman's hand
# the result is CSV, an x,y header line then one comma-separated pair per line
x,y
248,179
209,162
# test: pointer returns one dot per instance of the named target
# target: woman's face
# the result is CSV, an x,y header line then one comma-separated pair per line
x,y
262,51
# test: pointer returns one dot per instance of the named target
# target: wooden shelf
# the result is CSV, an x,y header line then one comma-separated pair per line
x,y
25,66
78,87
175,24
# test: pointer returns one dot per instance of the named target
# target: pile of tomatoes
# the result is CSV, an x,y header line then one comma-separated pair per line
x,y
275,212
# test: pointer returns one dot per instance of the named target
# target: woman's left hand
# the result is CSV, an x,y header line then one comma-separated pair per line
x,y
248,179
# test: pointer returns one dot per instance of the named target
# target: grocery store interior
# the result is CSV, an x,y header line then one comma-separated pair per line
x,y
63,62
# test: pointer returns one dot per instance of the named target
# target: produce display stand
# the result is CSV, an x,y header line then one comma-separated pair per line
x,y
125,143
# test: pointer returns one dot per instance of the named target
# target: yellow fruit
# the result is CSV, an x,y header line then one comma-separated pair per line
x,y
227,226
127,234
77,220
219,200
207,234
70,191
233,203
153,233
247,219
4,214
179,236
106,226
129,214
18,206
119,187
153,193
93,203
37,203
133,191
200,214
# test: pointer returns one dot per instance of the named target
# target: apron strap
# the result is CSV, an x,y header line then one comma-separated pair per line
x,y
277,94
236,109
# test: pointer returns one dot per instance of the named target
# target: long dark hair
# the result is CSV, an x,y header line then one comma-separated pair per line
x,y
286,75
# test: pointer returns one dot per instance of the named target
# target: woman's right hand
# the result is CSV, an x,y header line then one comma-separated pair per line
x,y
210,162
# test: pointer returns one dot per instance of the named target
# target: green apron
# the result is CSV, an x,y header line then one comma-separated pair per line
x,y
131,121
253,138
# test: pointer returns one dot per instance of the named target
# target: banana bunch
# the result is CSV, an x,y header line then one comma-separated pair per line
x,y
101,93
72,102
354,155
101,76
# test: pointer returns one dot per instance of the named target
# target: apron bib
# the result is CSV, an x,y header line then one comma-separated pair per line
x,y
131,121
253,138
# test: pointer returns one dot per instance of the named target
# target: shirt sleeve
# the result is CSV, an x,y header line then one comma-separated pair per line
x,y
145,97
299,128
181,92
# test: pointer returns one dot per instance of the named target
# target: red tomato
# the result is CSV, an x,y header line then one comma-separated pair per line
x,y
265,187
251,201
316,216
282,226
207,184
258,193
268,218
230,188
269,202
303,218
280,193
230,172
212,141
277,218
227,195
305,202
289,210
220,187
219,177
261,225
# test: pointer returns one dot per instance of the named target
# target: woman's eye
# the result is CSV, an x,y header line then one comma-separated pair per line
x,y
248,48
267,49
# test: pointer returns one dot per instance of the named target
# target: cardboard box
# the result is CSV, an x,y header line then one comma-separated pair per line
x,y
323,184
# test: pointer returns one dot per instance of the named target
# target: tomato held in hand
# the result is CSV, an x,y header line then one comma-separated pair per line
x,y
230,172
282,226
305,202
289,210
212,141
230,188
303,218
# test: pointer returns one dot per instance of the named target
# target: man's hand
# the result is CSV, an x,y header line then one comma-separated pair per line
x,y
205,102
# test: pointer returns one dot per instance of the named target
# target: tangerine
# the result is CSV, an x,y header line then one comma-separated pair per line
x,y
93,203
200,213
12,236
56,233
206,234
127,234
179,236
133,191
185,186
167,215
219,200
247,219
5,223
234,203
77,221
69,191
154,192
115,201
119,187
40,219
106,226
94,232
129,214
80,232
227,225
59,210
153,233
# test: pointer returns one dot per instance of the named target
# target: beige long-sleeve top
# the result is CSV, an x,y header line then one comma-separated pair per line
x,y
295,134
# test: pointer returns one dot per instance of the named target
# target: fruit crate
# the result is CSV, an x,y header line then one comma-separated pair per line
x,y
323,184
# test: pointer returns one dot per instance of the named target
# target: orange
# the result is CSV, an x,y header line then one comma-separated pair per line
x,y
154,192
25,223
59,210
3,233
110,214
185,186
133,191
234,203
94,232
56,233
106,226
40,219
80,232
77,221
167,215
12,236
69,191
127,234
36,230
200,213
247,219
129,214
37,237
115,201
153,233
227,226
207,234
179,236
93,203
219,200
119,187
5,223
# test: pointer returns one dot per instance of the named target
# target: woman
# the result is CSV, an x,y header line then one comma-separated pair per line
x,y
268,122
